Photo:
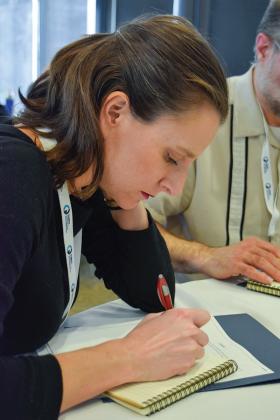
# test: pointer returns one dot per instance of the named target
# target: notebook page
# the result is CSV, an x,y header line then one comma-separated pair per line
x,y
220,343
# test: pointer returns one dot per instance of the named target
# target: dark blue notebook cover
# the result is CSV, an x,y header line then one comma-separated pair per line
x,y
258,340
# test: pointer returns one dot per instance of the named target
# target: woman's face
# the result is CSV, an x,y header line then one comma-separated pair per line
x,y
144,159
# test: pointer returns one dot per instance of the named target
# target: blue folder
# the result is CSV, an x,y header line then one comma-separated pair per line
x,y
258,340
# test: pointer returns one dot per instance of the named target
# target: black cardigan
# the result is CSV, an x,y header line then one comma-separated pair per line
x,y
33,273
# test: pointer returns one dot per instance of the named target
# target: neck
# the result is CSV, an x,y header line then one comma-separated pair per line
x,y
270,117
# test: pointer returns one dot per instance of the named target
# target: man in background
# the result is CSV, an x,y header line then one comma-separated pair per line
x,y
230,205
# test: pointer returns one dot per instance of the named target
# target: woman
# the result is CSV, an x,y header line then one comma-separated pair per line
x,y
128,111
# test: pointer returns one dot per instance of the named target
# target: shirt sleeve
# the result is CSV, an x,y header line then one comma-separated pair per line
x,y
128,261
31,386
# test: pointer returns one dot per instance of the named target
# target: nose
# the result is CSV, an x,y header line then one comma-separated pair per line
x,y
173,183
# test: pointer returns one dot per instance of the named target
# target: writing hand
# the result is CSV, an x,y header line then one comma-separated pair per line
x,y
167,344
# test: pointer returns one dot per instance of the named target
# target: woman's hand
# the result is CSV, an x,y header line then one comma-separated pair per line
x,y
134,219
166,344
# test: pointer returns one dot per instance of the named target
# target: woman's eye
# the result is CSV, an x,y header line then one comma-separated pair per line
x,y
171,160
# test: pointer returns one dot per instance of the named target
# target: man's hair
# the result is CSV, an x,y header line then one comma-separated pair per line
x,y
270,23
161,63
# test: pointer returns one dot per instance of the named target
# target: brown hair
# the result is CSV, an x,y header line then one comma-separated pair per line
x,y
161,63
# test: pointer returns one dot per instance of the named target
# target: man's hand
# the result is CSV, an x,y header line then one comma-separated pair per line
x,y
254,258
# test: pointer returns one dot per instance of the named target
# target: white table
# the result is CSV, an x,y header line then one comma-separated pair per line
x,y
254,402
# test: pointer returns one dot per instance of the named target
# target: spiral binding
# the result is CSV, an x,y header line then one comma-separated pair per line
x,y
262,288
169,397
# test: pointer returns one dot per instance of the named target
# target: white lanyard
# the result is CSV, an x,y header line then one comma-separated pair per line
x,y
72,246
268,186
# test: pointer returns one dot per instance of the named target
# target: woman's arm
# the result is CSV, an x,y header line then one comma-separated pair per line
x,y
129,261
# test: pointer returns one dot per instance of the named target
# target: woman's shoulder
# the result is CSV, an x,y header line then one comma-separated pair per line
x,y
22,165
12,137
18,149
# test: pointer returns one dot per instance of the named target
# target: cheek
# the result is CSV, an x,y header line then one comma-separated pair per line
x,y
277,86
153,167
272,81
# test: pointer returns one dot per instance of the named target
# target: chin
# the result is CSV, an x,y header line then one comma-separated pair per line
x,y
128,206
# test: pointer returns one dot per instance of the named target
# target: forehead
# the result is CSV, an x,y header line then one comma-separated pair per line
x,y
187,119
187,131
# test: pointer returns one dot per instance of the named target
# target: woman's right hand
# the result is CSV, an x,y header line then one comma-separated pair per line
x,y
166,344
160,346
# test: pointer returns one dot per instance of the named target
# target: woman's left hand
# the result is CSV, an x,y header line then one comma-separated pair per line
x,y
133,219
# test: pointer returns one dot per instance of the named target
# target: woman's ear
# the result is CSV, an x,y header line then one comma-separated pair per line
x,y
114,108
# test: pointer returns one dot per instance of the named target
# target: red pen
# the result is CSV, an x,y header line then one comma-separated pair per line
x,y
164,293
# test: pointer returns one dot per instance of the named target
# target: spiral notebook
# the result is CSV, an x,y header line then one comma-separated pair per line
x,y
149,397
270,289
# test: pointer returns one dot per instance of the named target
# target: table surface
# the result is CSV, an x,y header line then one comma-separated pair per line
x,y
252,402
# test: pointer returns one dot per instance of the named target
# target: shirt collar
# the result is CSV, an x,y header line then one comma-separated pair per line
x,y
248,120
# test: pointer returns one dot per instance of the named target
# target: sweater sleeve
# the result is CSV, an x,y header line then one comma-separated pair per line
x,y
128,261
31,386
28,391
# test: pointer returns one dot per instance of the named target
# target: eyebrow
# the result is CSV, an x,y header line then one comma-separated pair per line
x,y
186,152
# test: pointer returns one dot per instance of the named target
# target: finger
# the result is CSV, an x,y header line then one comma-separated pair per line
x,y
264,265
202,338
199,316
269,257
200,353
269,264
268,246
255,274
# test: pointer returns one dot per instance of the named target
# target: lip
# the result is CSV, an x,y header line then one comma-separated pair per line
x,y
145,195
